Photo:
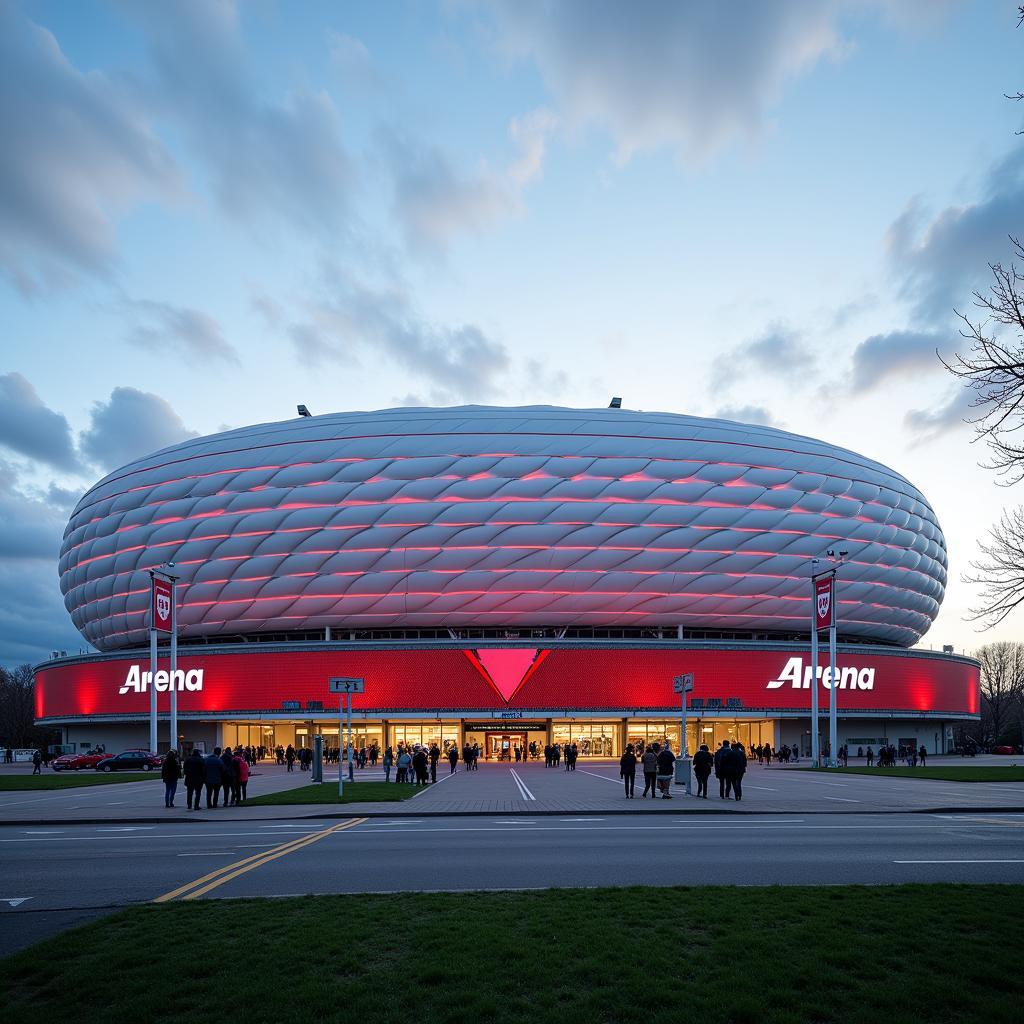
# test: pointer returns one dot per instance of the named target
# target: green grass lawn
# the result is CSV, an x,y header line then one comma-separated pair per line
x,y
715,955
946,773
72,780
327,793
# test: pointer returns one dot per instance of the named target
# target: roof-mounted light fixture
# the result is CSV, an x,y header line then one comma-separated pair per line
x,y
615,403
303,411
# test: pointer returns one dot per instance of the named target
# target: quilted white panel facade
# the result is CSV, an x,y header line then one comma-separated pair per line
x,y
495,517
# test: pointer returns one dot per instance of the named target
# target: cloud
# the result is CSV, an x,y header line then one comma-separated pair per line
x,y
351,60
188,332
33,620
779,352
749,414
434,201
459,362
29,427
286,159
130,425
688,76
77,151
896,354
930,424
941,259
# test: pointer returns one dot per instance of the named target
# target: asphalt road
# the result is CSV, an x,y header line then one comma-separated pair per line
x,y
69,874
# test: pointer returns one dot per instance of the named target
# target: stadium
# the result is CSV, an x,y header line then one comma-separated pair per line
x,y
505,576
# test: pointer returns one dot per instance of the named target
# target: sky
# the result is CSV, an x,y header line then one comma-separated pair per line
x,y
213,211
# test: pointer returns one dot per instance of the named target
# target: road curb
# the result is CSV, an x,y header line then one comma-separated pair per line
x,y
525,813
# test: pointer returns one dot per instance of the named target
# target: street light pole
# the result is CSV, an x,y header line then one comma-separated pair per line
x,y
174,663
833,680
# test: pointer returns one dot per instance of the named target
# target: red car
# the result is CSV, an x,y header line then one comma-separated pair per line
x,y
76,762
1002,750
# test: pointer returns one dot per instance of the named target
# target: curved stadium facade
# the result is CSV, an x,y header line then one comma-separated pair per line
x,y
506,574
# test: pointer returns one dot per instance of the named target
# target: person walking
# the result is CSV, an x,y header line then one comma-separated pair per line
x,y
289,758
403,765
923,754
388,761
703,762
627,771
666,761
419,765
720,774
453,759
170,772
650,765
195,776
213,777
37,762
435,756
870,757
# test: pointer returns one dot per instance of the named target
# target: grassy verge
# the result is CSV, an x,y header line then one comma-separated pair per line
x,y
327,793
71,780
716,955
945,773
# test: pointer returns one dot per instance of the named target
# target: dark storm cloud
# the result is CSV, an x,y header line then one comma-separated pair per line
x,y
897,354
76,151
131,424
941,259
953,414
690,76
779,352
29,427
188,332
265,159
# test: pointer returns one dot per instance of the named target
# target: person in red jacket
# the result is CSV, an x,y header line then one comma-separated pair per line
x,y
241,778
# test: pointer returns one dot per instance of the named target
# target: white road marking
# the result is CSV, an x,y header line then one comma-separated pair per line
x,y
845,799
524,791
607,778
767,789
39,832
581,819
14,901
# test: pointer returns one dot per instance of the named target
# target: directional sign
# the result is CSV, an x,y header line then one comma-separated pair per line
x,y
683,684
344,684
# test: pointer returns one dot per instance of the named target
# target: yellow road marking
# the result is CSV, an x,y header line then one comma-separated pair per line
x,y
240,867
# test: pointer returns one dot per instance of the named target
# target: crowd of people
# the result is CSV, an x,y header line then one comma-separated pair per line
x,y
226,770
889,756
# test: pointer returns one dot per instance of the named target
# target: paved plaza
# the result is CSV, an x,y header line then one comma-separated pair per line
x,y
531,789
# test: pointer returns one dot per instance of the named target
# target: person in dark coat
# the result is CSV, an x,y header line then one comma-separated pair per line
x,y
650,763
419,765
214,776
627,771
703,762
195,776
229,779
170,772
736,766
453,759
720,773
435,756
666,760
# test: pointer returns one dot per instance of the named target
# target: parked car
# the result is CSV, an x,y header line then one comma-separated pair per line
x,y
1002,750
130,761
76,762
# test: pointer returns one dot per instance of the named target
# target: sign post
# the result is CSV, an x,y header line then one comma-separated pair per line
x,y
683,685
161,620
824,617
346,685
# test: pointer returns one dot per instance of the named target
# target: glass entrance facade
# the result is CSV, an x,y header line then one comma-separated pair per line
x,y
593,738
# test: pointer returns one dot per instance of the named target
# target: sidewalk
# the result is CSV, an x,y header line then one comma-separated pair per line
x,y
594,788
